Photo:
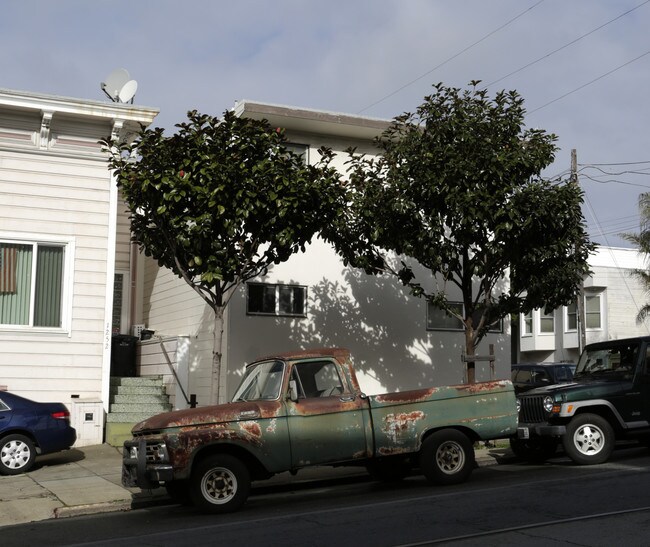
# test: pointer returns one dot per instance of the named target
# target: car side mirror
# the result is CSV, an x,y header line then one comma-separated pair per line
x,y
293,391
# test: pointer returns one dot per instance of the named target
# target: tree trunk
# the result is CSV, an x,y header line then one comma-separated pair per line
x,y
469,351
217,354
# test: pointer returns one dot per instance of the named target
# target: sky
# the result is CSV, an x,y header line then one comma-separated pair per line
x,y
582,67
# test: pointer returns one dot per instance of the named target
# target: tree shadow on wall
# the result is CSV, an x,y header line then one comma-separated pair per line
x,y
384,327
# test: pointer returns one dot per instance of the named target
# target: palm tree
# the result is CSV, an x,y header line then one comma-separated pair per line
x,y
642,241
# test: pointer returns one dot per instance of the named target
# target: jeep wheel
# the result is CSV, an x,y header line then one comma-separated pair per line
x,y
535,450
447,457
589,439
220,484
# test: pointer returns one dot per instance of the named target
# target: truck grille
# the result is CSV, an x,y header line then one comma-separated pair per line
x,y
532,409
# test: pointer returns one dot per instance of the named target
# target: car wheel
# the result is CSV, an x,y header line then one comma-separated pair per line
x,y
589,439
536,450
17,454
220,484
447,457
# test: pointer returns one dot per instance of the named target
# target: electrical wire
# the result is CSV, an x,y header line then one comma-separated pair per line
x,y
566,45
450,58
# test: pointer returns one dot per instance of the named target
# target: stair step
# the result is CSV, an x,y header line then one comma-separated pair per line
x,y
137,407
138,390
136,381
126,417
140,398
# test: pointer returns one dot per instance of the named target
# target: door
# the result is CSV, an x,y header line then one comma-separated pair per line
x,y
328,423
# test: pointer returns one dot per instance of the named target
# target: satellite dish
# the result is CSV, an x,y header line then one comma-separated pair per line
x,y
128,90
119,87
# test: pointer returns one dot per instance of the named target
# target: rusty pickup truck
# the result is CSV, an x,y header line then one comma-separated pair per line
x,y
297,410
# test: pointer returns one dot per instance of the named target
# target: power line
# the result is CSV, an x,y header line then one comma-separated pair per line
x,y
566,45
589,83
450,58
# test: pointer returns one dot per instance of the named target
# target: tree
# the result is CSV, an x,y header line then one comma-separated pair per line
x,y
221,201
642,241
457,188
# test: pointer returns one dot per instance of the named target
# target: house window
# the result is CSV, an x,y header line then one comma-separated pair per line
x,y
32,284
438,319
269,299
527,323
301,150
546,322
592,311
572,317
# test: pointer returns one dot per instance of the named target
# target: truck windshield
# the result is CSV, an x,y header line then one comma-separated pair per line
x,y
261,381
618,358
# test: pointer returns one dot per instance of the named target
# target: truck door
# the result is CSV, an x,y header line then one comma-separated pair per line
x,y
328,423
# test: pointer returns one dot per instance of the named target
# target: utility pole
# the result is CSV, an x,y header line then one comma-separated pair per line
x,y
580,302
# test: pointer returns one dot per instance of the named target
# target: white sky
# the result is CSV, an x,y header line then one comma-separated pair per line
x,y
374,57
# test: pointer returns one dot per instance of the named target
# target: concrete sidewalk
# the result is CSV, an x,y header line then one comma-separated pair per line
x,y
87,480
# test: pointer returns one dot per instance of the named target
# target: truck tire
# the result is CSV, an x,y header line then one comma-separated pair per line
x,y
535,450
220,484
589,439
447,457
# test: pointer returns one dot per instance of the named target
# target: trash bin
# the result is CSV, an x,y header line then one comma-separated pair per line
x,y
123,354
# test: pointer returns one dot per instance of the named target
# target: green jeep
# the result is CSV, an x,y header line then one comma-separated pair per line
x,y
608,400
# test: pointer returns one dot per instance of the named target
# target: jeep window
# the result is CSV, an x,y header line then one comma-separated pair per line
x,y
619,358
261,381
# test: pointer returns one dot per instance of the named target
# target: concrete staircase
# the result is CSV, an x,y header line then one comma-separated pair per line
x,y
133,400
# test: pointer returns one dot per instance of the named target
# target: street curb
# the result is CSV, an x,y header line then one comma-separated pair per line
x,y
91,509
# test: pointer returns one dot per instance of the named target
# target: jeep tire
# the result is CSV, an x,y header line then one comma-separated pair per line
x,y
589,439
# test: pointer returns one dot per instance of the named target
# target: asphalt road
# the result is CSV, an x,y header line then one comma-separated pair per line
x,y
515,504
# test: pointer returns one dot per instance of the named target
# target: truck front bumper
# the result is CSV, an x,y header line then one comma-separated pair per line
x,y
526,431
145,464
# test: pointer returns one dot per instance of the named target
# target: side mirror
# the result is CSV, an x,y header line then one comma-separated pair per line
x,y
293,391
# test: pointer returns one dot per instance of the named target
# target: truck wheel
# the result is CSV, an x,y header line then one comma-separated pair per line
x,y
17,454
447,457
536,450
589,439
220,484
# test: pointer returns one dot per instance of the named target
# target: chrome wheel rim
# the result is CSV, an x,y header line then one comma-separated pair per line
x,y
589,440
450,457
219,486
15,454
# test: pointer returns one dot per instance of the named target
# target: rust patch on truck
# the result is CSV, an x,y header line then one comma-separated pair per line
x,y
479,387
252,428
414,396
400,425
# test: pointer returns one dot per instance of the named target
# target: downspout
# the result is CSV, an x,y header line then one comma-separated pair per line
x,y
110,278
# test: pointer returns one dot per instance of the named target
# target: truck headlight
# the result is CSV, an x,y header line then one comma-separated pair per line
x,y
518,404
548,403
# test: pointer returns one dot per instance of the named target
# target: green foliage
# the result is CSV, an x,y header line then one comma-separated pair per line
x,y
457,188
221,200
642,241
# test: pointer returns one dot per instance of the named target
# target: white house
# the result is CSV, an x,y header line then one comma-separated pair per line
x,y
58,232
398,343
612,299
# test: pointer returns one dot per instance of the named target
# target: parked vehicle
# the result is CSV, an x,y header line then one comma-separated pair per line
x,y
297,410
607,400
28,428
527,376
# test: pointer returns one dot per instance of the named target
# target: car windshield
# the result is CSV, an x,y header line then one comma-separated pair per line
x,y
619,358
261,381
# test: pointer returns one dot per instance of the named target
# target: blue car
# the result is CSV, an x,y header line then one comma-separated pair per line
x,y
28,428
